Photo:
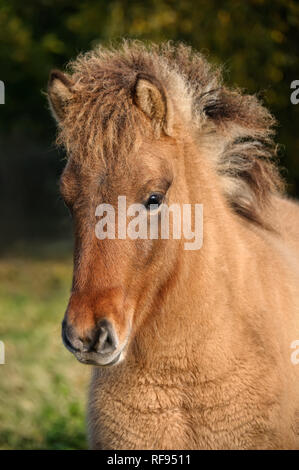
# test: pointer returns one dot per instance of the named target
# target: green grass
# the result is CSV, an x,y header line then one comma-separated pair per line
x,y
42,387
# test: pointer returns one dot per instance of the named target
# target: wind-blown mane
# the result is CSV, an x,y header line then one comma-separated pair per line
x,y
232,129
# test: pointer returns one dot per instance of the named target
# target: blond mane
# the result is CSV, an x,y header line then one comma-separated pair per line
x,y
232,129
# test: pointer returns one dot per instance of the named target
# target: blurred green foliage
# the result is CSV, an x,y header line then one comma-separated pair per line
x,y
257,40
43,388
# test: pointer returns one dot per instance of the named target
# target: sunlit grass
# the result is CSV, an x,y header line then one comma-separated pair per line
x,y
42,388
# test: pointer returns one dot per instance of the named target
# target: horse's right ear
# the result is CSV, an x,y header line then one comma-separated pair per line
x,y
59,93
150,97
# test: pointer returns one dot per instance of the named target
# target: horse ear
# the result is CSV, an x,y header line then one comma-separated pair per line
x,y
59,93
150,97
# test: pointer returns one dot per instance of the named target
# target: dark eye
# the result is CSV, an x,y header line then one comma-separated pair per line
x,y
154,201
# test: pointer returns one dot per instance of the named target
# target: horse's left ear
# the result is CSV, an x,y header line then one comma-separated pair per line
x,y
150,97
59,93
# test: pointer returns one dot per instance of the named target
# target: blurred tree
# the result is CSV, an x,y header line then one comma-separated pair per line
x,y
256,40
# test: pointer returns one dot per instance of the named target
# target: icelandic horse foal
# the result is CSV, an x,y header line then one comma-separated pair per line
x,y
193,348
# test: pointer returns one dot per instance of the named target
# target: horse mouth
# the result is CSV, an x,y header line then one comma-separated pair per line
x,y
95,359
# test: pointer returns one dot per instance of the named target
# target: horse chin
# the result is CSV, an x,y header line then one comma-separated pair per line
x,y
95,359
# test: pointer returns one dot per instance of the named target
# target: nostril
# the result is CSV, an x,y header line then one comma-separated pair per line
x,y
106,342
103,338
86,342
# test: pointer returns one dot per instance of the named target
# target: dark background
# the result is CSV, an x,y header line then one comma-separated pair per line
x,y
256,40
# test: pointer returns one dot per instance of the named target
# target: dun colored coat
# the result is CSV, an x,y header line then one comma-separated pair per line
x,y
193,348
